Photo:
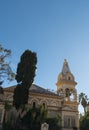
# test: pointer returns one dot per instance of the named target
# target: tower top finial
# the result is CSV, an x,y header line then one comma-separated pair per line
x,y
65,67
65,60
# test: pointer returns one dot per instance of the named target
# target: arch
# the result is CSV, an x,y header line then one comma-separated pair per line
x,y
70,76
34,103
54,103
60,77
67,92
71,94
60,92
74,93
43,103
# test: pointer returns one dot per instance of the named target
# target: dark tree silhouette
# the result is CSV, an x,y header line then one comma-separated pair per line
x,y
25,76
84,121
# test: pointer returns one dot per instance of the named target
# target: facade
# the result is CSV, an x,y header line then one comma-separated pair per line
x,y
63,102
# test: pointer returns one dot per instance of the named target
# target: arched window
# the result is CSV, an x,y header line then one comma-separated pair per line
x,y
69,78
67,92
34,104
44,105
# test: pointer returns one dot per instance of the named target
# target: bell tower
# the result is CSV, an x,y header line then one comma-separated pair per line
x,y
66,84
66,89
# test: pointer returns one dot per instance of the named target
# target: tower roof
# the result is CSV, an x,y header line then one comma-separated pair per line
x,y
65,73
65,68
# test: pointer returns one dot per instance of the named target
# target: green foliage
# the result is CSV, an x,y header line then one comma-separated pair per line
x,y
35,116
7,106
6,72
54,123
84,121
83,100
26,68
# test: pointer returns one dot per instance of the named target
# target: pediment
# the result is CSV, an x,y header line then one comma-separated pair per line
x,y
67,108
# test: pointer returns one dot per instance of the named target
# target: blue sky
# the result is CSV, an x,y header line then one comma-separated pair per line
x,y
55,30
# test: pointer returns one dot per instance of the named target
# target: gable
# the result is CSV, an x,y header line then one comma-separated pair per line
x,y
68,108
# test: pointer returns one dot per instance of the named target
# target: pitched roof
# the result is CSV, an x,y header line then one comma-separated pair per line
x,y
34,89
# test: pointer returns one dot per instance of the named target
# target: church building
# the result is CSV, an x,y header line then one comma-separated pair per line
x,y
63,102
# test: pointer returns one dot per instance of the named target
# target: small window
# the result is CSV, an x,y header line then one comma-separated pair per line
x,y
44,105
34,104
69,78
